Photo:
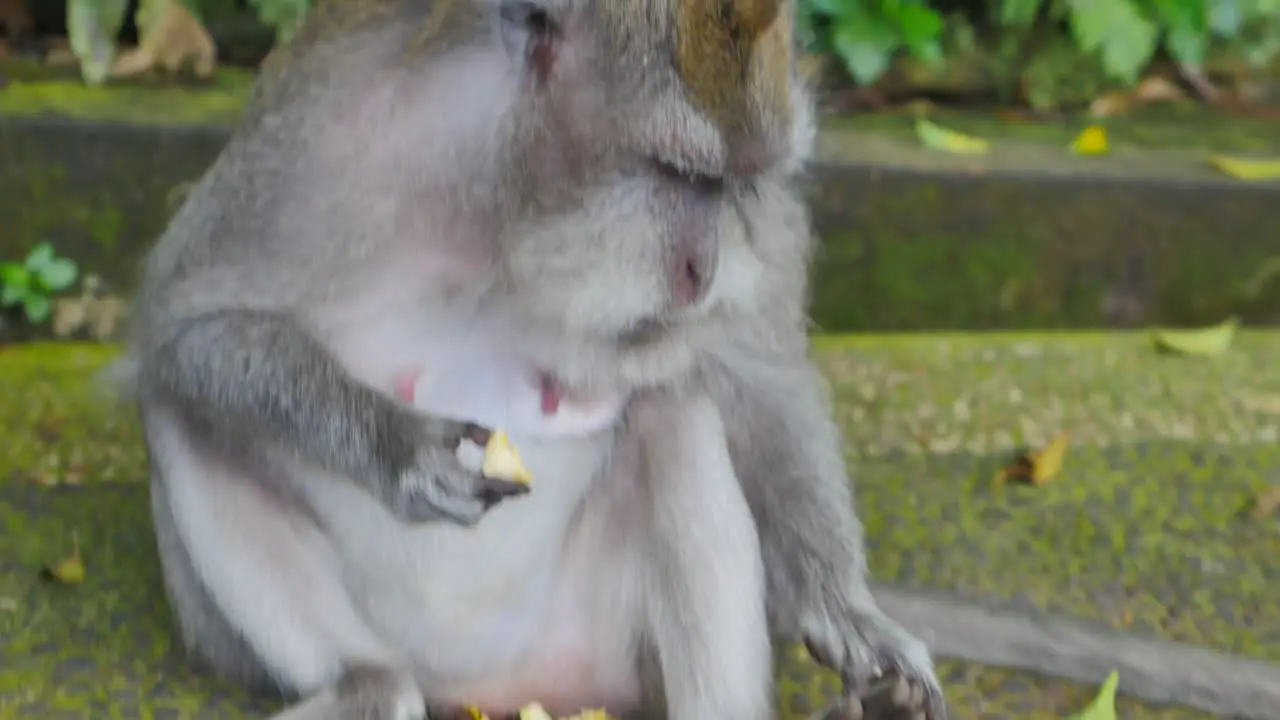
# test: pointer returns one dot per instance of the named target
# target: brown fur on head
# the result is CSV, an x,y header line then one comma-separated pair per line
x,y
586,162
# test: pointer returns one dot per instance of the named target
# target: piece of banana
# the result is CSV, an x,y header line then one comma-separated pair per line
x,y
501,460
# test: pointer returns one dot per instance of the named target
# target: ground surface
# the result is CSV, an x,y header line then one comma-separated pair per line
x,y
1143,529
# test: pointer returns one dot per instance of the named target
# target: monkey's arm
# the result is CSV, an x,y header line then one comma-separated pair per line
x,y
786,450
257,376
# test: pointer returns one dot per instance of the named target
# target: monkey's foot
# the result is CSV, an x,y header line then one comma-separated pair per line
x,y
867,648
893,697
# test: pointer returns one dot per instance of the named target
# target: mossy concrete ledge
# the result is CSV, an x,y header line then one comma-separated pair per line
x,y
1027,236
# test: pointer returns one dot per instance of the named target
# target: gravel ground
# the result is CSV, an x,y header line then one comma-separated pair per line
x,y
1143,528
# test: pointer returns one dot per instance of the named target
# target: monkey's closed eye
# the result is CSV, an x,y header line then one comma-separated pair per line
x,y
530,16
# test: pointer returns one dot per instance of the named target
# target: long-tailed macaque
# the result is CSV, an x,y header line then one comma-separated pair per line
x,y
573,220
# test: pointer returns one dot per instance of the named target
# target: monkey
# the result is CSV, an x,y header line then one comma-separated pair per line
x,y
576,221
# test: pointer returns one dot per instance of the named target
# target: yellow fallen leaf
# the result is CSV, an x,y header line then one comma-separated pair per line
x,y
1255,169
1048,462
1102,707
474,713
501,460
1039,467
1091,141
1206,342
69,570
936,137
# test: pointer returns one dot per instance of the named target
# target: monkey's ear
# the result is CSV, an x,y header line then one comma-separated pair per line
x,y
530,32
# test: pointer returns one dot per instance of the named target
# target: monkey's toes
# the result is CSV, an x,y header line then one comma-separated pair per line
x,y
892,697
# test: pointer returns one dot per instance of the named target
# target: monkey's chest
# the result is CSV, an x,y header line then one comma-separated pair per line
x,y
475,379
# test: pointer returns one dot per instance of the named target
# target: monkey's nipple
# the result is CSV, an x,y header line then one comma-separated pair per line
x,y
552,393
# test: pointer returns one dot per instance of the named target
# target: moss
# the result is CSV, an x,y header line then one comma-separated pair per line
x,y
36,92
1176,126
1142,530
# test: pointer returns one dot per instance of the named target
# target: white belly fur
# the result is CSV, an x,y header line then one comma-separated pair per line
x,y
472,608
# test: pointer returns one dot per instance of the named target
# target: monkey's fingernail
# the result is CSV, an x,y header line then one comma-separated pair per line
x,y
917,695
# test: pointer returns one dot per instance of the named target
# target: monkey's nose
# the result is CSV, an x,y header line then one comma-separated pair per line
x,y
691,269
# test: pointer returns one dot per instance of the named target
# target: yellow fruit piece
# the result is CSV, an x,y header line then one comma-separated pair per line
x,y
934,136
534,711
1102,707
502,461
1247,168
1091,141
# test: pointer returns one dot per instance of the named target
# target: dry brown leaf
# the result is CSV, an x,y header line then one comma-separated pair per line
x,y
1157,89
1266,503
16,18
167,42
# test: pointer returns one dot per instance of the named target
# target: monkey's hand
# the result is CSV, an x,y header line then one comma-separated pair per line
x,y
430,484
884,668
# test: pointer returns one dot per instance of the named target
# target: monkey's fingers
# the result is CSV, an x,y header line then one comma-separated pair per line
x,y
439,488
450,433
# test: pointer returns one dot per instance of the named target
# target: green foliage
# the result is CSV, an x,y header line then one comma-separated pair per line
x,y
32,281
866,34
1119,37
283,15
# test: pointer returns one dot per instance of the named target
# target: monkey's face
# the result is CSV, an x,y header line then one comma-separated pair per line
x,y
643,137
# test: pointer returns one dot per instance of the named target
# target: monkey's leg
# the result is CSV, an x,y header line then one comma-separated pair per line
x,y
786,449
706,614
256,588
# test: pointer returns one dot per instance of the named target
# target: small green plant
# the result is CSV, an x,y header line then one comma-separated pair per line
x,y
32,281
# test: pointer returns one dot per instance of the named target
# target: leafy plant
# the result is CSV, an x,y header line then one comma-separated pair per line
x,y
867,34
283,15
32,281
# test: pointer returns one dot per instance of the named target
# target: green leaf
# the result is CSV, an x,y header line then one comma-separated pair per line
x,y
12,294
92,26
919,27
1117,31
58,274
39,256
866,45
936,137
1103,707
830,8
1019,13
1202,342
1226,18
14,274
36,307
1187,25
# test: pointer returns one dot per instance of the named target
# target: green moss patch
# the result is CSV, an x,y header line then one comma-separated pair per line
x,y
1143,528
34,92
1146,528
60,426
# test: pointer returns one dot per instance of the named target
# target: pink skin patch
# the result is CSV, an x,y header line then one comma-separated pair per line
x,y
403,384
551,395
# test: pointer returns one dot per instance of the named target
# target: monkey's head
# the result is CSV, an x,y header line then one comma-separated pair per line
x,y
606,165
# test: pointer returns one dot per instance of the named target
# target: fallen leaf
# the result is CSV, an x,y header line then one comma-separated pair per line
x,y
169,36
936,137
1091,141
8,604
1204,342
1110,104
1266,503
1249,169
1037,468
1102,707
1048,462
69,570
1157,89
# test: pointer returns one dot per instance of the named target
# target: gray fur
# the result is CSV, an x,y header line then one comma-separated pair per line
x,y
391,199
